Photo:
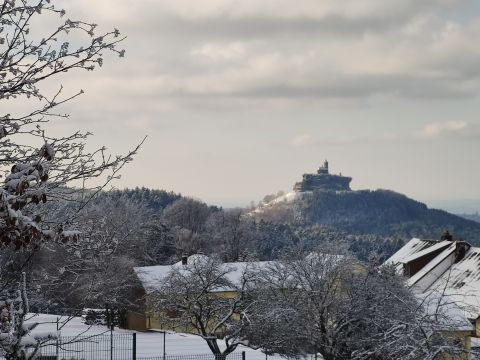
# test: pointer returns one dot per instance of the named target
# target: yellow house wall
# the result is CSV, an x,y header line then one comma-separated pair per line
x,y
462,336
159,320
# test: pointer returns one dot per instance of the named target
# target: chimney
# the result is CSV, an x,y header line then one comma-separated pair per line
x,y
461,250
184,259
446,236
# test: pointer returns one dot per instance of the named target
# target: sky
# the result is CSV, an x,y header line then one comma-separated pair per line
x,y
239,98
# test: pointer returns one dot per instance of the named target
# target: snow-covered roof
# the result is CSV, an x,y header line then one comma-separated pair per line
x,y
414,246
441,245
151,277
459,279
462,282
449,250
446,313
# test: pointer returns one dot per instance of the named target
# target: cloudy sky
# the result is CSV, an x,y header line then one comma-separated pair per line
x,y
240,97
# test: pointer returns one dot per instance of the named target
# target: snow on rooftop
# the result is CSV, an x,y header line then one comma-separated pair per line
x,y
445,311
462,282
151,277
415,245
427,250
427,269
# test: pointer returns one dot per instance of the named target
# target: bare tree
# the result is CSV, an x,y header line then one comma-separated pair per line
x,y
330,305
186,213
17,340
38,167
229,233
203,299
158,243
98,268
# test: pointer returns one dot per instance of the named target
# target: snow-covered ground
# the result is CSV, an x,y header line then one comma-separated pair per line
x,y
285,199
149,344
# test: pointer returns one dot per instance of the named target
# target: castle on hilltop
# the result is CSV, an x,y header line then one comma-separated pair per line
x,y
323,181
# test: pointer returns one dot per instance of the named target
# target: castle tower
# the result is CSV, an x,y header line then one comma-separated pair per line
x,y
323,169
323,181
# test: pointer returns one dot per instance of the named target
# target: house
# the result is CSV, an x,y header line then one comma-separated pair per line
x,y
451,270
151,278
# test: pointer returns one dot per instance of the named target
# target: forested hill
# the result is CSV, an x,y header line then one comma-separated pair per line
x,y
155,200
474,217
140,227
379,212
364,212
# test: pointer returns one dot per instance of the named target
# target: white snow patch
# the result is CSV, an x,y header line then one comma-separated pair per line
x,y
288,198
152,277
149,344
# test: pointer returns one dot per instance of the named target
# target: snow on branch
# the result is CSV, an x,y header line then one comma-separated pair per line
x,y
38,167
16,339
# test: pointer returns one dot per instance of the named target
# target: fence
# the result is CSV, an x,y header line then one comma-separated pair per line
x,y
99,347
231,356
110,347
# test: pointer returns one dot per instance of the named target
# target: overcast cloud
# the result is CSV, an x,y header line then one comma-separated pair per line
x,y
240,97
329,49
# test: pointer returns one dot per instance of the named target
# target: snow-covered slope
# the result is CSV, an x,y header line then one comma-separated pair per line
x,y
286,199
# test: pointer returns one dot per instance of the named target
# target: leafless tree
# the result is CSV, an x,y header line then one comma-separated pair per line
x,y
329,304
186,213
229,233
97,269
38,167
17,339
158,243
203,300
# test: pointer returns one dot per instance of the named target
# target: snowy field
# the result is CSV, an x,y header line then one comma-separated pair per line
x,y
149,344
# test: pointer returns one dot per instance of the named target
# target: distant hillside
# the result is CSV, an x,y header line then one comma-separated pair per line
x,y
474,217
380,212
363,221
155,200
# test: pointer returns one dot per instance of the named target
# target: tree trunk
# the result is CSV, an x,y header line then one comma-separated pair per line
x,y
221,356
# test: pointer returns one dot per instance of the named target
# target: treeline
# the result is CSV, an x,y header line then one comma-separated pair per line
x,y
474,217
154,200
140,227
120,230
124,229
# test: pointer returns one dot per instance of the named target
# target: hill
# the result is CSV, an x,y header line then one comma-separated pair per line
x,y
474,217
155,200
378,212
